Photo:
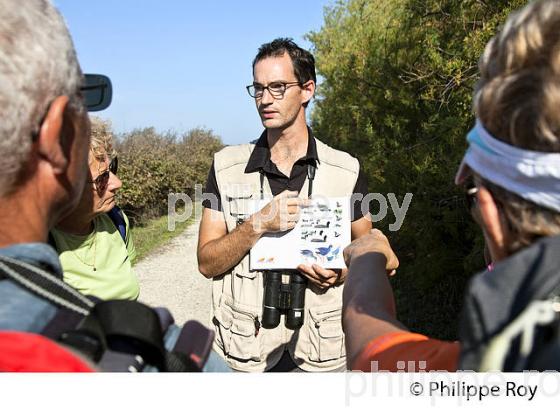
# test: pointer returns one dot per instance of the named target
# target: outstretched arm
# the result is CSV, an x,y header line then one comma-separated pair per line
x,y
368,302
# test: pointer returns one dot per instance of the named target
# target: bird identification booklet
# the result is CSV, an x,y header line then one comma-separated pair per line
x,y
319,237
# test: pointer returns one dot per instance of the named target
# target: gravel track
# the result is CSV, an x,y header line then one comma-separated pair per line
x,y
169,277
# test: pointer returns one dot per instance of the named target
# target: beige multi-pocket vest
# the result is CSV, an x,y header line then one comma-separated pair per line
x,y
237,296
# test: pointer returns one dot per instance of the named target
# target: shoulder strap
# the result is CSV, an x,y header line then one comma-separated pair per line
x,y
112,327
123,326
232,155
538,313
44,285
124,329
116,215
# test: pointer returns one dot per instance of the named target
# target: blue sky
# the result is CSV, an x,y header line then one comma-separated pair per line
x,y
176,65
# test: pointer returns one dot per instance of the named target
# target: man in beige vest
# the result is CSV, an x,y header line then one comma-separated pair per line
x,y
286,163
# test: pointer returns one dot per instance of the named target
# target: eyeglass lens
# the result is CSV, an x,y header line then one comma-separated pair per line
x,y
114,165
277,89
102,180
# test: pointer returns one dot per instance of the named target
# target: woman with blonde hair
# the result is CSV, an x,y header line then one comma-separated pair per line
x,y
510,317
94,242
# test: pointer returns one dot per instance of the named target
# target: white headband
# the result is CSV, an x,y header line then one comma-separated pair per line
x,y
534,176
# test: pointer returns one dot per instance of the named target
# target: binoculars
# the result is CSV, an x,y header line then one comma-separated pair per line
x,y
283,298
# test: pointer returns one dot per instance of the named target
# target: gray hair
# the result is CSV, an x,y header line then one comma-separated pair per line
x,y
37,64
101,138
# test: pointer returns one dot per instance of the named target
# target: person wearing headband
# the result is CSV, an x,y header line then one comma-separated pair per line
x,y
511,173
94,241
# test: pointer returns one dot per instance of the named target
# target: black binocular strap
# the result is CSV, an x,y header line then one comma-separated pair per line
x,y
262,183
310,176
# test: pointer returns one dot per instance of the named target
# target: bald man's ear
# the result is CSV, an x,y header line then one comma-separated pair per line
x,y
51,143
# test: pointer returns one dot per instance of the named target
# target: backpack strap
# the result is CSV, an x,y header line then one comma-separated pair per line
x,y
538,313
44,285
117,216
122,326
125,334
111,333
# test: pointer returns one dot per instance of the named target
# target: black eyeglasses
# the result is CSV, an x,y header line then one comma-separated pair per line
x,y
276,89
102,179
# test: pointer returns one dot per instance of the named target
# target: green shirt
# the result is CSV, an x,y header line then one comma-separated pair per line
x,y
104,250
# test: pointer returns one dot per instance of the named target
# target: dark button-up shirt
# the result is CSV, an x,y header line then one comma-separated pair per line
x,y
260,161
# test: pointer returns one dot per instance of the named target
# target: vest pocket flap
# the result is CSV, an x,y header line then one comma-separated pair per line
x,y
238,195
240,339
328,322
240,206
329,329
326,338
243,270
324,313
243,322
244,327
224,317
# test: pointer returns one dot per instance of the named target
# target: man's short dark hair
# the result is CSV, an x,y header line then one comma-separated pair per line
x,y
302,60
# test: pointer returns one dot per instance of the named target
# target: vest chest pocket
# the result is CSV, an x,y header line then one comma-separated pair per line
x,y
325,334
240,206
239,334
242,269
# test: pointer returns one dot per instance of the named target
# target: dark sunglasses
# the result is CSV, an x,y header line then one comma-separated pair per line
x,y
470,194
102,179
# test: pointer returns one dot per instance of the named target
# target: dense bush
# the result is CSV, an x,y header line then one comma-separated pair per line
x,y
153,164
398,79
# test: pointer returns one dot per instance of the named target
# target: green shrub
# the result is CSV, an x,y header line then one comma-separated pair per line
x,y
398,79
152,165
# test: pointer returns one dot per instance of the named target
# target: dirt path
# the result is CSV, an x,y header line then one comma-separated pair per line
x,y
169,277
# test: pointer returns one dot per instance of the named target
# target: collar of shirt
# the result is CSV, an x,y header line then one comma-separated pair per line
x,y
260,157
38,254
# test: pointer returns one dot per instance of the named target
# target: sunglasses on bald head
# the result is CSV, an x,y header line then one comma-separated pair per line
x,y
102,179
